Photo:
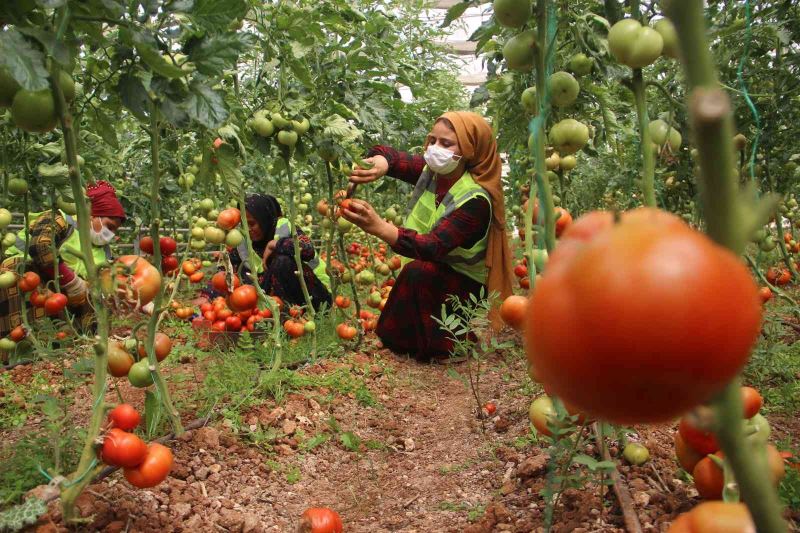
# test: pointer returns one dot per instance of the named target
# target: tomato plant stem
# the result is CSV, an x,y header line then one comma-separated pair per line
x,y
646,146
79,479
155,223
712,123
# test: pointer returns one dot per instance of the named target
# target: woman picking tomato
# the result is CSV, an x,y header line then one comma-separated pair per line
x,y
47,228
270,235
453,241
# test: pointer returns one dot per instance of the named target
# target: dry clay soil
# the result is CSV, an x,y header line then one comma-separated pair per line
x,y
424,462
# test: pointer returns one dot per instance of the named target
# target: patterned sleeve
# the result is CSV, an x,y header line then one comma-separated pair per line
x,y
285,246
402,165
463,227
43,232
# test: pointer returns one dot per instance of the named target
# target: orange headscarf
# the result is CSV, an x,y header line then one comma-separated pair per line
x,y
479,151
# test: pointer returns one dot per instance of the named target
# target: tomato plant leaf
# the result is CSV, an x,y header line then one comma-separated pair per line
x,y
315,441
23,61
182,6
133,95
300,69
152,413
51,4
455,12
145,44
214,54
351,441
206,106
217,14
56,49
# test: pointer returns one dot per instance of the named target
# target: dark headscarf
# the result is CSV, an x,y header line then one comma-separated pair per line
x,y
265,209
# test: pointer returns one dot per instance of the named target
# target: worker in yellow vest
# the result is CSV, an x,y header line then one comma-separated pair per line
x,y
453,241
51,230
273,245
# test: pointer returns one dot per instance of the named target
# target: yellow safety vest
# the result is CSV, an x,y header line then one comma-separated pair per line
x,y
73,241
424,215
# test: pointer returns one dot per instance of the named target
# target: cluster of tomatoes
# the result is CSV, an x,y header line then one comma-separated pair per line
x,y
699,452
237,310
145,465
53,303
122,364
168,246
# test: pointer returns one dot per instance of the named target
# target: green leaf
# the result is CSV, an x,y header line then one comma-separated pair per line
x,y
148,50
104,126
454,12
182,6
217,53
316,440
351,441
206,106
51,4
152,413
582,459
57,170
301,71
54,48
23,61
133,95
218,14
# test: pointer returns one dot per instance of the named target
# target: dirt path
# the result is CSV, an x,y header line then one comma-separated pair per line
x,y
403,452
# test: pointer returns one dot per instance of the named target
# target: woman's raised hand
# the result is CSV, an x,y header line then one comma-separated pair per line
x,y
380,166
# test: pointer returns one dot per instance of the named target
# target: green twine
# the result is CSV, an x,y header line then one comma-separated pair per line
x,y
748,34
80,478
43,472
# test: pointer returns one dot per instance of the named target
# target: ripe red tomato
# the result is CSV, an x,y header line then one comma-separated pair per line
x,y
514,311
197,277
229,218
146,245
218,142
144,282
521,271
169,264
563,221
189,268
29,281
708,479
713,517
224,314
293,329
162,344
211,316
751,401
124,417
342,302
38,299
243,298
17,334
687,456
649,354
208,306
54,304
219,325
121,448
320,520
168,245
345,331
233,323
219,282
153,469
346,205
703,442
765,293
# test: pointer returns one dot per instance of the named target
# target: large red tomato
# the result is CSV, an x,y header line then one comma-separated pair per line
x,y
243,298
167,245
153,469
641,320
703,442
229,218
142,285
124,417
320,520
121,448
55,303
162,344
714,517
563,221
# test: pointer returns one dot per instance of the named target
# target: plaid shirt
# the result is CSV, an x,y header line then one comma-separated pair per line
x,y
43,231
464,227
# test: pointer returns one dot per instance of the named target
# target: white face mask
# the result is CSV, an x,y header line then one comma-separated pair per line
x,y
441,160
102,237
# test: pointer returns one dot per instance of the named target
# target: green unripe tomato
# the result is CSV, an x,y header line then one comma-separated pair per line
x,y
636,454
287,138
139,375
17,186
206,204
5,218
234,238
198,232
197,244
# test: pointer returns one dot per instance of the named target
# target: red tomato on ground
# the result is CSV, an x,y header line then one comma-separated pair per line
x,y
153,469
642,320
320,520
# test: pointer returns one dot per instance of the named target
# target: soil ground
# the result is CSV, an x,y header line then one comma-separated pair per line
x,y
405,452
